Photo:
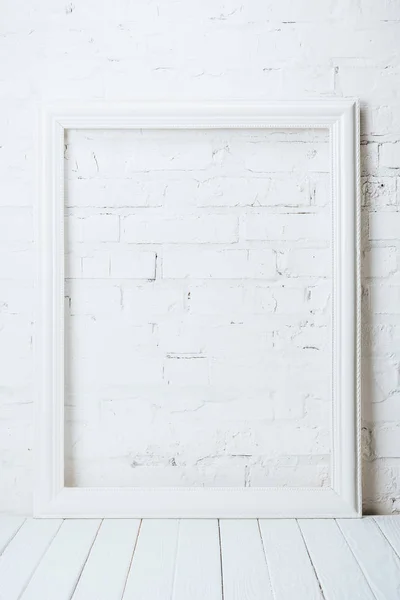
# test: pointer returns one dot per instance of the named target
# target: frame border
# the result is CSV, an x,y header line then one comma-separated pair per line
x,y
343,499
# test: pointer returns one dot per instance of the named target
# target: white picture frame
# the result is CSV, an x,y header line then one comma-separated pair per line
x,y
343,499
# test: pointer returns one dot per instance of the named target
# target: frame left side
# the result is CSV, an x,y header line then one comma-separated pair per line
x,y
50,318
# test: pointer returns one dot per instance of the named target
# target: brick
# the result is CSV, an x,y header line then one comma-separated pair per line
x,y
381,339
114,193
185,154
371,83
380,119
304,338
297,475
17,265
239,373
104,335
384,299
288,227
107,154
289,11
16,351
270,158
280,190
90,298
387,10
320,189
387,411
386,441
182,337
15,191
15,338
379,192
283,300
16,435
209,300
381,380
238,339
17,298
299,442
178,230
101,228
305,263
94,228
384,226
133,264
389,155
383,475
122,474
223,264
369,158
299,79
73,230
319,296
129,369
96,265
152,301
355,48
16,225
289,401
186,371
73,265
379,262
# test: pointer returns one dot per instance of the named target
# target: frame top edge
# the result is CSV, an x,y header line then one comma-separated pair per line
x,y
219,108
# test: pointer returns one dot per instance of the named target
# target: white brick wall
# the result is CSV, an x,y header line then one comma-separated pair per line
x,y
201,50
197,326
154,229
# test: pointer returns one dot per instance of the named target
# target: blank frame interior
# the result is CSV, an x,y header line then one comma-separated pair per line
x,y
208,365
198,276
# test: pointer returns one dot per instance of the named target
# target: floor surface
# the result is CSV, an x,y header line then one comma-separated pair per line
x,y
200,559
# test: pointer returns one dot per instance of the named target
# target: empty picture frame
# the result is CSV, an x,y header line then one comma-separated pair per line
x,y
343,499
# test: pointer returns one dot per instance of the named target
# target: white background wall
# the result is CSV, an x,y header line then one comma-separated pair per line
x,y
198,308
204,50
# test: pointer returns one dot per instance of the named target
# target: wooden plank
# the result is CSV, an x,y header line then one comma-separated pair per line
x,y
198,566
152,571
23,554
291,572
390,527
107,567
244,569
338,571
8,528
380,564
61,566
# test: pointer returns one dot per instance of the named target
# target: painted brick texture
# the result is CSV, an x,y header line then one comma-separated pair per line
x,y
178,375
193,51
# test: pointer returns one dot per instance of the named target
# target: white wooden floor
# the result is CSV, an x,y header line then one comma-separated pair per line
x,y
200,559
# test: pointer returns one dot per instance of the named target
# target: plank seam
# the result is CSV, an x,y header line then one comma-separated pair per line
x,y
386,538
40,560
266,560
12,536
175,560
310,559
131,561
87,558
355,558
220,561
